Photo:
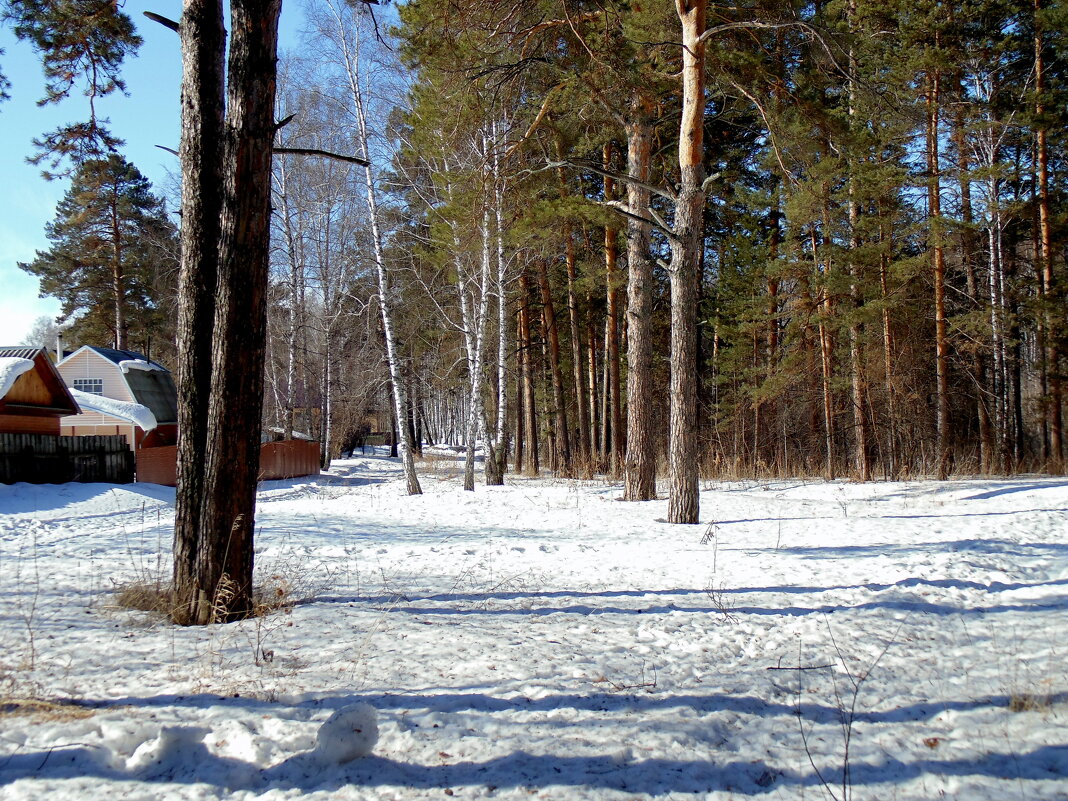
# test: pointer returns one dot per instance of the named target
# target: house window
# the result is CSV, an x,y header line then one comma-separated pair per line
x,y
94,386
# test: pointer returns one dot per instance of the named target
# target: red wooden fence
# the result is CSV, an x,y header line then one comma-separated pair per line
x,y
287,459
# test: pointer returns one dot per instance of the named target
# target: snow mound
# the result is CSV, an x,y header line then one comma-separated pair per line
x,y
11,368
130,412
176,751
126,365
349,733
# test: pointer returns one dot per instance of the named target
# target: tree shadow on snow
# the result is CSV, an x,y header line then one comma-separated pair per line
x,y
902,605
305,772
31,498
517,595
447,700
1000,547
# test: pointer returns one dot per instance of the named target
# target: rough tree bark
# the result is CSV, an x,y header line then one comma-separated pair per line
x,y
225,553
938,264
203,42
614,420
685,274
562,440
640,467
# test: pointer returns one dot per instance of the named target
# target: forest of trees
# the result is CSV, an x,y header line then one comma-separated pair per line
x,y
875,210
645,239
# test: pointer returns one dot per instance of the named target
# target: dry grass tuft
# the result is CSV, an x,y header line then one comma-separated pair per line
x,y
1029,702
276,595
45,710
145,596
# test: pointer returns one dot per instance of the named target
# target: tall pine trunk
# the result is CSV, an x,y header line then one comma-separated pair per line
x,y
640,467
861,428
1053,390
582,441
614,420
531,462
562,440
685,275
203,41
225,551
938,270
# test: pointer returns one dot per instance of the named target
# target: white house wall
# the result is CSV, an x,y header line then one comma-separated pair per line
x,y
110,426
88,364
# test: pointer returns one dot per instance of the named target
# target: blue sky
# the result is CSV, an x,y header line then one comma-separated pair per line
x,y
148,117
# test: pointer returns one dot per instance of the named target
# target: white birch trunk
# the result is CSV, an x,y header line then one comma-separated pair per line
x,y
386,300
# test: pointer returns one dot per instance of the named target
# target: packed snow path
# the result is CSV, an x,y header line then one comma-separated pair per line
x,y
544,640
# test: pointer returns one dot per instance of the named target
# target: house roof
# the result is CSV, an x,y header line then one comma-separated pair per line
x,y
43,394
150,382
119,356
19,352
155,389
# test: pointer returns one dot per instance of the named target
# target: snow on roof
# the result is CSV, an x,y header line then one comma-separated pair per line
x,y
119,357
11,367
126,365
131,412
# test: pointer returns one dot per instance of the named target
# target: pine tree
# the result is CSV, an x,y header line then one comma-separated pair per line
x,y
111,263
80,42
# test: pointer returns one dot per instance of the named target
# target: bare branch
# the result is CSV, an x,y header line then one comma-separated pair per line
x,y
665,192
311,151
660,222
774,26
653,219
166,22
537,120
711,179
558,23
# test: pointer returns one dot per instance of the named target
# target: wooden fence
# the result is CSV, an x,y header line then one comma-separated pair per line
x,y
46,459
287,459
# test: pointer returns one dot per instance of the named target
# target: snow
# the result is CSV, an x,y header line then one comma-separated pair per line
x,y
135,413
11,368
545,640
126,365
348,734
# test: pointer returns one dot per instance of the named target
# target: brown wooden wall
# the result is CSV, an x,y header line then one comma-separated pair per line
x,y
288,459
158,465
25,424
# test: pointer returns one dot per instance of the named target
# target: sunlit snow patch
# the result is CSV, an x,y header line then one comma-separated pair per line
x,y
349,733
130,412
10,369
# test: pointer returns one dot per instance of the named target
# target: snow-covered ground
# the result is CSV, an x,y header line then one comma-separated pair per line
x,y
543,640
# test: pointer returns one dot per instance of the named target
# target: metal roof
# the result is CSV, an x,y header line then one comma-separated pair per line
x,y
155,389
116,356
19,352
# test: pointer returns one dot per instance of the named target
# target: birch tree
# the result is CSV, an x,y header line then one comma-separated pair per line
x,y
343,28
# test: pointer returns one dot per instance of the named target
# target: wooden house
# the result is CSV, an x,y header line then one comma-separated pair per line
x,y
131,390
34,397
